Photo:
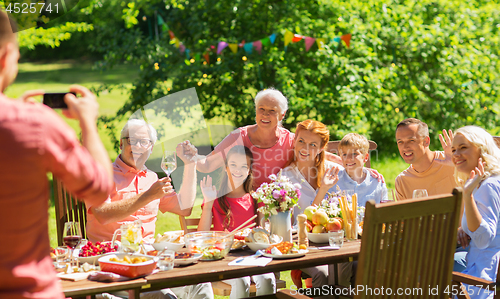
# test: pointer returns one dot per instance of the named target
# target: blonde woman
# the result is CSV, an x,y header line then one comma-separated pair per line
x,y
477,168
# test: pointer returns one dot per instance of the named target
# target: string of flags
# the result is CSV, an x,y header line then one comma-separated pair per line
x,y
249,47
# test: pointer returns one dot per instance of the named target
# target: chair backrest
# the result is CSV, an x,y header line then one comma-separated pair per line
x,y
189,225
333,147
68,208
409,245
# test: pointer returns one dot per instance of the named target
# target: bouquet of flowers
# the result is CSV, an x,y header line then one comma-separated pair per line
x,y
278,196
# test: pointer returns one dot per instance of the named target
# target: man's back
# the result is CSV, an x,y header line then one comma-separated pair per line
x,y
36,141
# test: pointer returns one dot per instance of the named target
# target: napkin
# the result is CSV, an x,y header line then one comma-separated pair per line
x,y
251,261
110,277
73,276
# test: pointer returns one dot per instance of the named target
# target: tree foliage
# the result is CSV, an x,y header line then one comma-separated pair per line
x,y
434,60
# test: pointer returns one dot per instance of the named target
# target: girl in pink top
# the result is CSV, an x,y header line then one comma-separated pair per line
x,y
229,208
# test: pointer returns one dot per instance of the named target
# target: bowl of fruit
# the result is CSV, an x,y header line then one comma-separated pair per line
x,y
212,245
90,252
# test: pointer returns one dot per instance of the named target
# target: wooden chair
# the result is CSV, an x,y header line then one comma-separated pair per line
x,y
409,245
458,279
333,147
68,208
220,288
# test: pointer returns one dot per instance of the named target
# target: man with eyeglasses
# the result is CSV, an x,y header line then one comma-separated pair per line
x,y
139,194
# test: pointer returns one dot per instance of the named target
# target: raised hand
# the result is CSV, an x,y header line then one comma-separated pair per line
x,y
186,151
475,177
446,138
209,191
331,177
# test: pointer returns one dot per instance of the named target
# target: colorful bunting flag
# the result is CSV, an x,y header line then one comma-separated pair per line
x,y
248,48
182,48
309,41
172,35
221,47
272,38
265,41
187,53
347,39
258,46
197,57
336,39
297,38
288,37
207,57
233,47
320,42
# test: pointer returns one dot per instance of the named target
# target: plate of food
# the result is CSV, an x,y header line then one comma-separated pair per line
x,y
237,244
186,258
171,240
284,250
260,239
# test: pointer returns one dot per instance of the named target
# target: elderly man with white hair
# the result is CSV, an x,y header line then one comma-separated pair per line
x,y
138,194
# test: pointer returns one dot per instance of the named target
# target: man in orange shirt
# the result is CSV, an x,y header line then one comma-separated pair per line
x,y
35,140
425,170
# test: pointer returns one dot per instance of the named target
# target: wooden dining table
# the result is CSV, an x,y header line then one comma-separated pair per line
x,y
208,271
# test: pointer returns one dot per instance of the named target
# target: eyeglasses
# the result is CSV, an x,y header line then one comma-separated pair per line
x,y
134,141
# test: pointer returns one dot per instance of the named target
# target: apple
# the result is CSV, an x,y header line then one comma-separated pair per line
x,y
309,211
320,217
334,225
309,226
318,229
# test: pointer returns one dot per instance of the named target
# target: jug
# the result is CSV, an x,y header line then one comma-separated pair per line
x,y
131,236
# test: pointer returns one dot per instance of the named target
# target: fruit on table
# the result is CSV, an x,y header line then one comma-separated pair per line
x,y
98,248
319,218
309,211
334,225
318,229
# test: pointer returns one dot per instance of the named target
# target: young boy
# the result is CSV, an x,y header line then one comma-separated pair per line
x,y
353,150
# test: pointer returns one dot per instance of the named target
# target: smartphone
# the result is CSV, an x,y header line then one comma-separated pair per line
x,y
56,100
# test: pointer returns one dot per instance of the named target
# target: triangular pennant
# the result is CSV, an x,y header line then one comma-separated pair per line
x,y
207,57
164,27
187,53
272,38
241,44
297,38
197,57
182,48
347,39
177,42
320,42
234,48
265,41
288,37
221,47
172,35
248,48
258,46
160,20
336,39
309,41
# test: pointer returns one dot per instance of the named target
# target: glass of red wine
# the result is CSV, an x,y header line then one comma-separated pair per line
x,y
72,235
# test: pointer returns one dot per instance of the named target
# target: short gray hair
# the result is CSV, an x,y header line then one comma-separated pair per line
x,y
283,102
138,123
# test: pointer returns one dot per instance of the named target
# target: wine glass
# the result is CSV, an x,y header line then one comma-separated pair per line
x,y
169,162
72,235
419,193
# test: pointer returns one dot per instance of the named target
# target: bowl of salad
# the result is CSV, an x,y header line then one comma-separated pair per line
x,y
212,245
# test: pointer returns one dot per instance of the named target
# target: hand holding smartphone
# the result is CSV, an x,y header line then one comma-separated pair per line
x,y
56,100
